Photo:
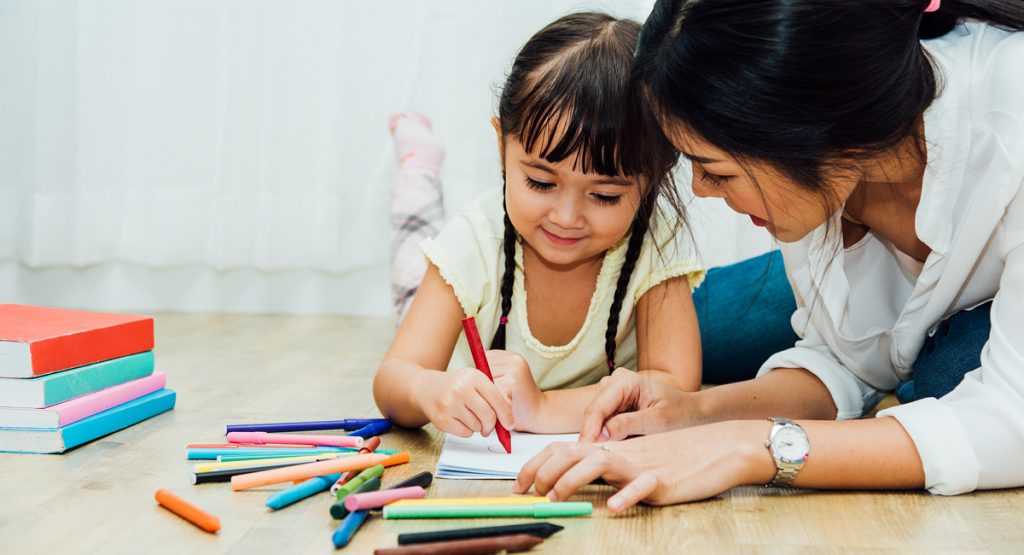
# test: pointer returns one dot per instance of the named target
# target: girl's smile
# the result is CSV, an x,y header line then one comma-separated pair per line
x,y
560,240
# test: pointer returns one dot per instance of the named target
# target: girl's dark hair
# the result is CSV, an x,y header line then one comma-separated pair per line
x,y
797,83
568,95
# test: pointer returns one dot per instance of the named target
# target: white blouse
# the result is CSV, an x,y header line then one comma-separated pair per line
x,y
864,312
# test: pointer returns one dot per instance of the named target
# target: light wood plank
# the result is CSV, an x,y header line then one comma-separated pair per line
x,y
99,498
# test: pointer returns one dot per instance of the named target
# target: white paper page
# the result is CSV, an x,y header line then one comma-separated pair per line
x,y
483,457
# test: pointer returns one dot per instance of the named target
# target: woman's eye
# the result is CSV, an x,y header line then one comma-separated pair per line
x,y
607,199
539,185
714,179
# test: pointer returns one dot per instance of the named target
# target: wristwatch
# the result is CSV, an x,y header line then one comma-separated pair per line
x,y
789,447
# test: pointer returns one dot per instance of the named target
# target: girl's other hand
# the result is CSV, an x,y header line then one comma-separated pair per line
x,y
515,382
630,405
463,402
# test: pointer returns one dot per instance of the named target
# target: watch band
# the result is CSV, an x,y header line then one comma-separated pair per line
x,y
784,476
785,470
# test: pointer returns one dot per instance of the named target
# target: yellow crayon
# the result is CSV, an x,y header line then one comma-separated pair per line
x,y
515,500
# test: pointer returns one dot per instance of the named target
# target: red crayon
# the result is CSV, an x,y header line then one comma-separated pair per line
x,y
476,347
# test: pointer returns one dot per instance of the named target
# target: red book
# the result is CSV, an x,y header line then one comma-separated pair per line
x,y
36,340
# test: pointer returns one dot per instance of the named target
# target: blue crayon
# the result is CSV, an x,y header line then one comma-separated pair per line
x,y
301,491
373,429
343,534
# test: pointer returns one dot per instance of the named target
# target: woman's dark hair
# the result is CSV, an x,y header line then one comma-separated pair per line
x,y
797,83
568,95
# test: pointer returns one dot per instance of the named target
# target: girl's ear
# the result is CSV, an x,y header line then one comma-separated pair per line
x,y
496,124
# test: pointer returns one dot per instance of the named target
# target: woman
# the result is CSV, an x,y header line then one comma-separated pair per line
x,y
882,143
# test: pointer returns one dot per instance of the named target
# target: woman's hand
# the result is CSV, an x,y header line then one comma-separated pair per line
x,y
514,380
673,467
629,405
464,401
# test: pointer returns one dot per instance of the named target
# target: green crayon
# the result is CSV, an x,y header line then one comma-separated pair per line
x,y
351,485
536,510
338,509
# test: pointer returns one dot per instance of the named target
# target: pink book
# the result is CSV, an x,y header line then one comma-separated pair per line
x,y
78,408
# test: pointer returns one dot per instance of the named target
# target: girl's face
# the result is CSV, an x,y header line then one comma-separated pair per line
x,y
772,200
567,216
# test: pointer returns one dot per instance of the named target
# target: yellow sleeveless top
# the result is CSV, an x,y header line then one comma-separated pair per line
x,y
468,253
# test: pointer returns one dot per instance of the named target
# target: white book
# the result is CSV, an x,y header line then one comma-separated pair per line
x,y
483,458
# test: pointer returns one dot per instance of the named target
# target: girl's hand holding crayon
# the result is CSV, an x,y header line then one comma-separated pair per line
x,y
462,402
515,381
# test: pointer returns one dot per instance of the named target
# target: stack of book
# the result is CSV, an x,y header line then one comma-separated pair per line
x,y
70,376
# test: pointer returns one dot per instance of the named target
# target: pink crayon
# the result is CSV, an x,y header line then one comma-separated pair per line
x,y
260,438
376,499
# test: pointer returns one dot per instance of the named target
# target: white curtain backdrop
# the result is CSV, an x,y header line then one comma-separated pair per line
x,y
233,155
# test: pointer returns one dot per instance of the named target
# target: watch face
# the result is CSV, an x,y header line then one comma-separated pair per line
x,y
790,444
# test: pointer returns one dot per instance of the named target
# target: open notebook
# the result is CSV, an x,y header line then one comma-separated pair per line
x,y
483,458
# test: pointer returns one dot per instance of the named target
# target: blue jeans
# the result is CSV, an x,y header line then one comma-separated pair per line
x,y
744,313
952,351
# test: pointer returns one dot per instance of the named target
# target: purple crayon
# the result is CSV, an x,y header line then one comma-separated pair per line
x,y
347,424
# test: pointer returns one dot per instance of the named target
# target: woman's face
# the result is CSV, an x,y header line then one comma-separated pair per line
x,y
772,200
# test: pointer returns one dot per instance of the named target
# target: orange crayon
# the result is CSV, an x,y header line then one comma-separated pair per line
x,y
309,470
187,511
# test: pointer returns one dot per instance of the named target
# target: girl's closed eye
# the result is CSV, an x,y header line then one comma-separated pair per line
x,y
539,185
606,199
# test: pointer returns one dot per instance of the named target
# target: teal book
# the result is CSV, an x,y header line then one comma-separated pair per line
x,y
58,440
50,389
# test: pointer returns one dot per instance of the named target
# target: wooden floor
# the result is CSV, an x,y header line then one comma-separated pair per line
x,y
99,498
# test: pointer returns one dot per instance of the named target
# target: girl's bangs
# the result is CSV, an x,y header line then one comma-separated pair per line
x,y
574,116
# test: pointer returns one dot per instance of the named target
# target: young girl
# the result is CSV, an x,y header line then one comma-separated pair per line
x,y
573,268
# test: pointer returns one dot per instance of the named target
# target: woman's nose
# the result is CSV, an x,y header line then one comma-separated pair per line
x,y
703,190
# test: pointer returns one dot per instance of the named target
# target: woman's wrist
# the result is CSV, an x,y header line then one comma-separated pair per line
x,y
757,459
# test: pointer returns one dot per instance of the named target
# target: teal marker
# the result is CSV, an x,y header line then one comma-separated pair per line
x,y
536,510
301,491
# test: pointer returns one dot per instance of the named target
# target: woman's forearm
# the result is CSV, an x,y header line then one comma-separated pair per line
x,y
786,392
875,453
